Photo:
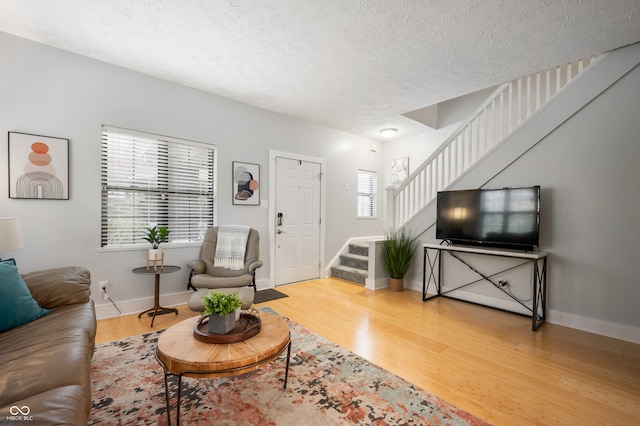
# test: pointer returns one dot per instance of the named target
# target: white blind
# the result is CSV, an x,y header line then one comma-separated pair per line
x,y
366,194
152,180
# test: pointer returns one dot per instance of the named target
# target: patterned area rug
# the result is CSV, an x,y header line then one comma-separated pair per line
x,y
328,385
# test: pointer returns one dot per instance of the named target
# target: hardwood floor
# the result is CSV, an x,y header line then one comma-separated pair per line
x,y
485,361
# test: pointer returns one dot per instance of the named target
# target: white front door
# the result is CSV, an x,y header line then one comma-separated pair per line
x,y
297,220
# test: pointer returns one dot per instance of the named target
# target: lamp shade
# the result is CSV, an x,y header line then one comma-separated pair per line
x,y
10,233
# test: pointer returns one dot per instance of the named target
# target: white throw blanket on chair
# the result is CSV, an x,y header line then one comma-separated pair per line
x,y
231,245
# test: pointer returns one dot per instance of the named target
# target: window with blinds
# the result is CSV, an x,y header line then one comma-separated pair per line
x,y
366,194
152,180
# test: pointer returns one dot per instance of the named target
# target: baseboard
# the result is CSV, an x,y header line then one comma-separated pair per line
x,y
604,328
493,302
263,284
596,326
106,309
376,284
590,325
411,284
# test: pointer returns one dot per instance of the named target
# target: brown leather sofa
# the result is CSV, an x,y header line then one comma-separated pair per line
x,y
45,374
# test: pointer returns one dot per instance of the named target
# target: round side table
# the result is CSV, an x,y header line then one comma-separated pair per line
x,y
157,309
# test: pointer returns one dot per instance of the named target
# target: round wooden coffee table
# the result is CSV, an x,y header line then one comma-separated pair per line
x,y
180,354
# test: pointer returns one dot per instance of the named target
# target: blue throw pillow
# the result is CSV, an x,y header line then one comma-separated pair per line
x,y
16,303
10,261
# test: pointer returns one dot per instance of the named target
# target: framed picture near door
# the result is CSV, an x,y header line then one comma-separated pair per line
x,y
38,167
246,184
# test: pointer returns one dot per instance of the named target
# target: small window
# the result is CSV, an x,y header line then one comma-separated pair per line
x,y
152,180
367,183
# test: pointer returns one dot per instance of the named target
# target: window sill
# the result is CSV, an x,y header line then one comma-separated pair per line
x,y
144,247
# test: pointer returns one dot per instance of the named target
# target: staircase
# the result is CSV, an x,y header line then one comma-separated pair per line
x,y
354,264
492,132
510,107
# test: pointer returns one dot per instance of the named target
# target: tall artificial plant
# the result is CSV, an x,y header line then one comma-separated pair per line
x,y
397,252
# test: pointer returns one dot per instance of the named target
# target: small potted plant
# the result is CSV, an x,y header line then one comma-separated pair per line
x,y
397,254
221,309
155,235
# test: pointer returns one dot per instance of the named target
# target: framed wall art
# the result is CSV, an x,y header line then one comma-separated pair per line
x,y
399,170
246,184
38,167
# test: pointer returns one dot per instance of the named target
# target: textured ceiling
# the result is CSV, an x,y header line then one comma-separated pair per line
x,y
355,65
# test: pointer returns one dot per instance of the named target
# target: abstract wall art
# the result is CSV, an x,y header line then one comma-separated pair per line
x,y
246,183
399,170
38,167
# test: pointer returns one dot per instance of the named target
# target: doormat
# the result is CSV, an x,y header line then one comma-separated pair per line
x,y
268,294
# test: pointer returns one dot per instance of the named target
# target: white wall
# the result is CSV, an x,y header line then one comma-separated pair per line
x,y
51,92
588,171
589,174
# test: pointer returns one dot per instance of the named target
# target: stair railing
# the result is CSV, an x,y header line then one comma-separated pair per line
x,y
507,108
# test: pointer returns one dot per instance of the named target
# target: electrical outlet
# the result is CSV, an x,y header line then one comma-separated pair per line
x,y
103,285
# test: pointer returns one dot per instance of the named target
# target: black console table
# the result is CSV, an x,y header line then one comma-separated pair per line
x,y
433,275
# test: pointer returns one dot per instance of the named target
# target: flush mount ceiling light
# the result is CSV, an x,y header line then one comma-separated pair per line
x,y
388,133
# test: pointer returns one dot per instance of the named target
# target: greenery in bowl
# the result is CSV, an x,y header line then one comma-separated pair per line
x,y
397,252
156,235
220,303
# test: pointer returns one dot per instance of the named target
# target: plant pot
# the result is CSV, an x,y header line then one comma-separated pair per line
x,y
222,324
396,284
155,254
155,258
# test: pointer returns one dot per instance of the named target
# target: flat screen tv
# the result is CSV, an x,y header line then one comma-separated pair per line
x,y
505,218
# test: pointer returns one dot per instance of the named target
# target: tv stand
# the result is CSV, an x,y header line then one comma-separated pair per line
x,y
433,255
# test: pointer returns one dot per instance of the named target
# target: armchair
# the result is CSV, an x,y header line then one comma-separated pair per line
x,y
205,276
